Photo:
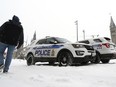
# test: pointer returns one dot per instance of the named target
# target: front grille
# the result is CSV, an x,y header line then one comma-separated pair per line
x,y
91,51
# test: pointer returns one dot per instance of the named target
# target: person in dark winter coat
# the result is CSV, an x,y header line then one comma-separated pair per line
x,y
11,36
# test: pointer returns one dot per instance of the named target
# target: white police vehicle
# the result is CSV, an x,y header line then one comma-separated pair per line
x,y
105,48
60,50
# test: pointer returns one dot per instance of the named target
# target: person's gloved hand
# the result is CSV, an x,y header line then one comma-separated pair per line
x,y
18,46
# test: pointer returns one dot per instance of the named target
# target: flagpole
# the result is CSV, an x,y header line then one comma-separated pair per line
x,y
76,22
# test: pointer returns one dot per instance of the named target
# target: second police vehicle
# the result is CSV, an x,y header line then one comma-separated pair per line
x,y
105,48
60,50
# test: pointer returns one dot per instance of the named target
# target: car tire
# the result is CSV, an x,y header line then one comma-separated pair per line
x,y
30,60
65,59
93,60
105,60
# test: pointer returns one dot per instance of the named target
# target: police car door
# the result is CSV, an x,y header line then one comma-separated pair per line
x,y
48,51
40,48
44,48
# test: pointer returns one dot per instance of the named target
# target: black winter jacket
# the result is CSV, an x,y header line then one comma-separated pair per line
x,y
12,34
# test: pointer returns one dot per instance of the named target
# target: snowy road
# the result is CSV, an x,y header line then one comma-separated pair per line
x,y
93,75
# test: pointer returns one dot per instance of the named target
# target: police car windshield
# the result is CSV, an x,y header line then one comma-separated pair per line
x,y
62,40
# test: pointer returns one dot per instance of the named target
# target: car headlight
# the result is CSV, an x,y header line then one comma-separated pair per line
x,y
77,45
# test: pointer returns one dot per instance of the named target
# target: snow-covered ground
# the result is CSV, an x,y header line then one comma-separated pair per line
x,y
43,75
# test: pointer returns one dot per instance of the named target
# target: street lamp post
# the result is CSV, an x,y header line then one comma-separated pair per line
x,y
95,35
76,22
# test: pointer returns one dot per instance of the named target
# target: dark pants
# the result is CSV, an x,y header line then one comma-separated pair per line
x,y
9,54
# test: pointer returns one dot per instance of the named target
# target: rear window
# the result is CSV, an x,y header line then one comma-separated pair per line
x,y
97,40
108,39
86,42
105,39
42,41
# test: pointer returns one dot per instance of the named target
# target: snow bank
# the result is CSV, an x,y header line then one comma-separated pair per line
x,y
43,75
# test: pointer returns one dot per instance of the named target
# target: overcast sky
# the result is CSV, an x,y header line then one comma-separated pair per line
x,y
57,17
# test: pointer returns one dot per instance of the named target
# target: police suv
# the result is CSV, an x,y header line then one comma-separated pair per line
x,y
105,48
60,50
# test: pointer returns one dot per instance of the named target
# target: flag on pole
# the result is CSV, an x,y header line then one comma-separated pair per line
x,y
34,37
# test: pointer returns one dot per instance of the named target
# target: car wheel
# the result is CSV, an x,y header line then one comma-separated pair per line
x,y
65,59
30,60
93,60
105,60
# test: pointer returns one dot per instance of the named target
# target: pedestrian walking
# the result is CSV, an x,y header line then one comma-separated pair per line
x,y
11,37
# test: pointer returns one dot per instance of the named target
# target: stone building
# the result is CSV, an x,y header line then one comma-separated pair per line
x,y
113,30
